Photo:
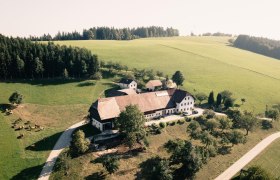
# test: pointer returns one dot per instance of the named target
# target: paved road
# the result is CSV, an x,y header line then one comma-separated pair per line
x,y
63,141
174,117
249,156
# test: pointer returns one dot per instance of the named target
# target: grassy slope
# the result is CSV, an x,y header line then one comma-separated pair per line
x,y
82,167
269,159
207,62
50,105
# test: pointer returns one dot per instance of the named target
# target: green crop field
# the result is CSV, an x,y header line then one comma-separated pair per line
x,y
52,104
208,63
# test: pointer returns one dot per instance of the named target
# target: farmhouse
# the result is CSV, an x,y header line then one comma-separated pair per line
x,y
127,84
153,85
153,104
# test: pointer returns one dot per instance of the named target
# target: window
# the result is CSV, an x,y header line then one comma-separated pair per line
x,y
188,97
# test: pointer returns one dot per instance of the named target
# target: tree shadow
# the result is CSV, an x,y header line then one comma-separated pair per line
x,y
29,173
86,83
5,106
96,176
44,82
44,144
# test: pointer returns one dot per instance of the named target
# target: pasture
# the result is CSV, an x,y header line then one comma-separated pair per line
x,y
269,159
52,104
208,63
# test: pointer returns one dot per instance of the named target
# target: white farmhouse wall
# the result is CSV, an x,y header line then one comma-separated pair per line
x,y
97,124
132,85
186,105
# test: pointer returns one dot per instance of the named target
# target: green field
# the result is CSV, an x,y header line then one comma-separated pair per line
x,y
53,104
208,63
269,159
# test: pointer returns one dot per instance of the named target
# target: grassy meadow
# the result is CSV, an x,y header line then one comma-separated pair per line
x,y
269,159
52,104
208,63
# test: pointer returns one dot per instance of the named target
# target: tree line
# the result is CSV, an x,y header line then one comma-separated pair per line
x,y
111,33
217,34
22,58
264,46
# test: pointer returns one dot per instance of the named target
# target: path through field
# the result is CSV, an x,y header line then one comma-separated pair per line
x,y
249,156
63,141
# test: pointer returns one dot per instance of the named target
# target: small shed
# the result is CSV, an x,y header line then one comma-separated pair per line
x,y
153,85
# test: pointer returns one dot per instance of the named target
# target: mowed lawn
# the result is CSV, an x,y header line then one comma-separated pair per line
x,y
208,63
269,159
52,104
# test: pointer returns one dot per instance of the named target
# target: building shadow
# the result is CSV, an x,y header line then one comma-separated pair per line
x,y
44,144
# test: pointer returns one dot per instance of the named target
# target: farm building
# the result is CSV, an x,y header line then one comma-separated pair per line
x,y
153,104
153,85
127,84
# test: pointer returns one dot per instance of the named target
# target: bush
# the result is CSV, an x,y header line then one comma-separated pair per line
x,y
110,163
209,114
158,131
266,124
162,124
180,122
188,119
62,163
79,144
167,123
155,129
96,76
172,123
16,98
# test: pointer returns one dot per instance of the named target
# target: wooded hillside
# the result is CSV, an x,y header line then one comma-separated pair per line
x,y
22,58
107,33
264,46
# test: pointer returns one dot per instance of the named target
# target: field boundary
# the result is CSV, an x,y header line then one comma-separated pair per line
x,y
265,75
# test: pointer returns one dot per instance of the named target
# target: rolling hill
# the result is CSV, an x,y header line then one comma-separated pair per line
x,y
208,63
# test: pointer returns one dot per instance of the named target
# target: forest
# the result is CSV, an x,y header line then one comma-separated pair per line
x,y
22,58
107,33
264,46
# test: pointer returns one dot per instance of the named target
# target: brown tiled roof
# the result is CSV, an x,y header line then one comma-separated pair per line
x,y
109,108
128,91
153,83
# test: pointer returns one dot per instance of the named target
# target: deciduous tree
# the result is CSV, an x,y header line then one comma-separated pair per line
x,y
16,98
79,144
131,123
178,78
